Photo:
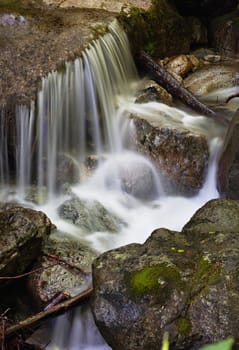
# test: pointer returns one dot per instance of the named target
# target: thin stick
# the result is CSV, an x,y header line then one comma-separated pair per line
x,y
41,316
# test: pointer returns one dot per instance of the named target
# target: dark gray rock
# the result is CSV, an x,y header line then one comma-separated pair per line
x,y
228,163
181,283
22,232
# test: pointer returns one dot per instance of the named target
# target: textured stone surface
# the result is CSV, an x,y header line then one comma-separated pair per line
x,y
181,283
211,77
66,267
22,232
180,156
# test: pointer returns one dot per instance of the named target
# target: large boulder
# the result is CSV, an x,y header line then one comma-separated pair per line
x,y
181,283
228,162
180,155
22,233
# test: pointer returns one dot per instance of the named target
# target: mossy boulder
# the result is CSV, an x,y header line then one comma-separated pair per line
x,y
160,31
183,283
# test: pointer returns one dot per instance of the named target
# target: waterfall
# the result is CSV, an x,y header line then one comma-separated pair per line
x,y
73,113
80,111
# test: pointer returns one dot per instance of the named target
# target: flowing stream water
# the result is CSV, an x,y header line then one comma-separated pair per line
x,y
80,112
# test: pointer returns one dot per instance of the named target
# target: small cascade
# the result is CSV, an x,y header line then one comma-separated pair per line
x,y
4,163
83,111
73,115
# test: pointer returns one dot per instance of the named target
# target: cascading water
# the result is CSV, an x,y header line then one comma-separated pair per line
x,y
83,111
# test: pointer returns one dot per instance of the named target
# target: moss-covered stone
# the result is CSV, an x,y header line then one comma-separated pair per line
x,y
154,279
161,31
184,326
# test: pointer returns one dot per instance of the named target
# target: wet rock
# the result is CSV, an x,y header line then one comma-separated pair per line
x,y
181,283
66,267
151,91
108,5
160,31
228,163
22,234
89,215
224,32
211,77
182,64
131,173
218,215
67,170
181,156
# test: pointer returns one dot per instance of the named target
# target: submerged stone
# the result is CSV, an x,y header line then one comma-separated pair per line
x,y
89,215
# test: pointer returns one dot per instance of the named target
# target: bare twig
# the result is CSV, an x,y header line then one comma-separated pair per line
x,y
43,315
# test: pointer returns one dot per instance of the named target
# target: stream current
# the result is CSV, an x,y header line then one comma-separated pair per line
x,y
84,112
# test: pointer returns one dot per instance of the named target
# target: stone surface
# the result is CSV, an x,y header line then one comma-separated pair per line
x,y
180,155
211,77
108,5
224,32
228,162
89,215
22,232
181,64
66,267
49,37
150,91
181,283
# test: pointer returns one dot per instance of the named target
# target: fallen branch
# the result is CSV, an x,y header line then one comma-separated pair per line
x,y
162,77
34,320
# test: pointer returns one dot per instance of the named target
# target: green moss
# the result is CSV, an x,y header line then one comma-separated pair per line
x,y
183,326
161,31
157,280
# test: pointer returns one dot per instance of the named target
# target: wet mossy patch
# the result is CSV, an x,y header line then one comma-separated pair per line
x,y
184,326
157,30
158,281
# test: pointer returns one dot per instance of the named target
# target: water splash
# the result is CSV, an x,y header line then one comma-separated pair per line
x,y
84,110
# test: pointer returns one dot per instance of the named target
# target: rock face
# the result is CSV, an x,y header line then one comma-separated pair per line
x,y
181,283
228,163
180,155
22,232
70,271
48,38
